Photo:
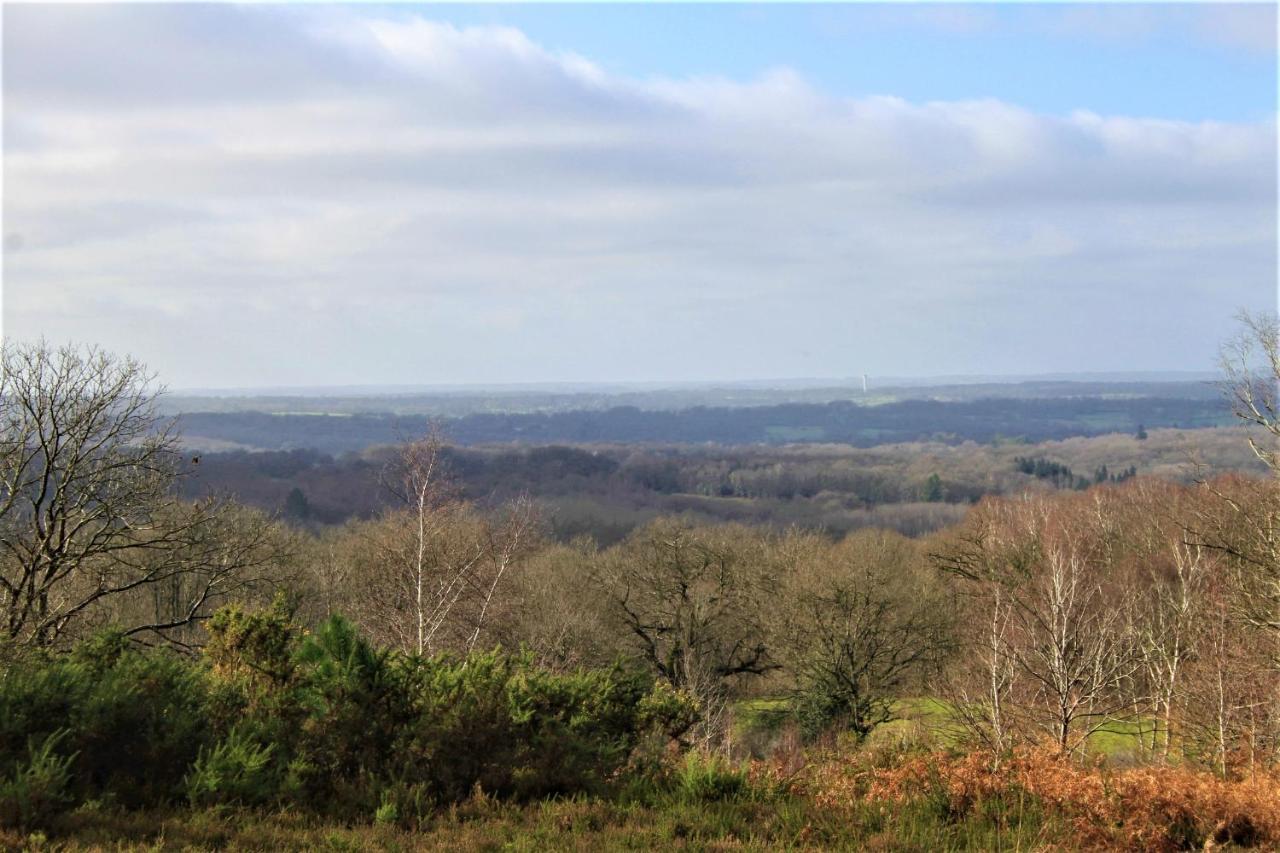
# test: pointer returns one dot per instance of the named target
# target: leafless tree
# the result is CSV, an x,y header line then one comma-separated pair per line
x,y
1229,688
435,579
89,519
1076,649
1169,621
863,623
417,572
983,678
510,539
555,610
440,561
1067,635
1238,672
1250,365
329,570
1239,518
230,553
695,603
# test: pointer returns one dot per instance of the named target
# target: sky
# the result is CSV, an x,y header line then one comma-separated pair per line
x,y
260,195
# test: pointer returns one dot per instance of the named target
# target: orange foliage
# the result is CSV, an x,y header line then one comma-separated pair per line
x,y
1144,808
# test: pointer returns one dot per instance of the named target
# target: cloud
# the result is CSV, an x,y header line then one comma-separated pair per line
x,y
1248,25
1233,25
257,194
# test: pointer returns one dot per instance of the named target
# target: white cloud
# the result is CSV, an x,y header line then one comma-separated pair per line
x,y
1233,25
395,199
1248,25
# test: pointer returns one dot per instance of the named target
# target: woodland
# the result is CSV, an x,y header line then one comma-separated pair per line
x,y
963,645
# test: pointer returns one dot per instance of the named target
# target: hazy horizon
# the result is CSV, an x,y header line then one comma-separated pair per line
x,y
290,196
798,382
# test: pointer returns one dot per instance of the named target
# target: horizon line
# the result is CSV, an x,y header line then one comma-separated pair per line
x,y
640,385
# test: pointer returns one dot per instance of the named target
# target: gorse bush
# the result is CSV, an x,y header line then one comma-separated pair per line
x,y
388,812
134,722
253,648
321,721
236,771
498,722
36,789
351,720
818,709
343,713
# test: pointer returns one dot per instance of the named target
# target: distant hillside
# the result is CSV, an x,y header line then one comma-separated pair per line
x,y
605,491
844,422
542,400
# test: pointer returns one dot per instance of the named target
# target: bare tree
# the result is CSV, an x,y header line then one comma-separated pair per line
x,y
863,623
1239,518
695,602
1238,671
1075,648
229,553
418,570
89,518
1242,521
556,612
440,562
1250,363
1169,621
1066,635
983,679
510,538
1228,688
435,583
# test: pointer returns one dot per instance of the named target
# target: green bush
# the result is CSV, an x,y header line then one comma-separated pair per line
x,y
141,725
352,722
236,771
707,777
356,703
254,647
324,722
37,789
134,720
817,711
38,696
388,812
499,722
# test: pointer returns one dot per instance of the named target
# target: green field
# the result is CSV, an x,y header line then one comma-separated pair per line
x,y
925,721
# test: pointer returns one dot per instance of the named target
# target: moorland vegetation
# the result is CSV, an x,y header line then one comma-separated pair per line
x,y
1084,665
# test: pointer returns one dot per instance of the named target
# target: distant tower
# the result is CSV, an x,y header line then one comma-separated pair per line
x,y
864,383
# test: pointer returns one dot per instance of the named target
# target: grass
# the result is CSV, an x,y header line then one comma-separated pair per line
x,y
738,823
706,803
572,824
845,801
1120,737
751,714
